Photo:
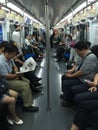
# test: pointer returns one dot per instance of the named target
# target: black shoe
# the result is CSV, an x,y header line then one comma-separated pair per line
x,y
37,91
54,56
36,84
30,109
62,96
38,87
37,79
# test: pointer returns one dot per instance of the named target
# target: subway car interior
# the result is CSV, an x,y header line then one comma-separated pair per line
x,y
45,33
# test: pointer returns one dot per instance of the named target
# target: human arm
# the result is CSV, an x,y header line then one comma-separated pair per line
x,y
74,75
12,76
19,61
93,84
33,46
8,73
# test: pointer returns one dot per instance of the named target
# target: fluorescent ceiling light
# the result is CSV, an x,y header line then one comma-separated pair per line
x,y
83,5
91,0
69,16
15,8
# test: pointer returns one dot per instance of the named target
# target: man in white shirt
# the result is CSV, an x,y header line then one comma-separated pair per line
x,y
16,36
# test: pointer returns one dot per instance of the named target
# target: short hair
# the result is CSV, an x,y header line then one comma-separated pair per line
x,y
11,47
16,25
3,44
80,45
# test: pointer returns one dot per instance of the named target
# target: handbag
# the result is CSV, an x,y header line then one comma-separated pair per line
x,y
72,44
3,86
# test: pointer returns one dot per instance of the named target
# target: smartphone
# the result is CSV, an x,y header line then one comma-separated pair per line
x,y
86,80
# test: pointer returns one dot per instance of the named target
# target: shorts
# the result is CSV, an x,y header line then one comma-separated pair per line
x,y
2,96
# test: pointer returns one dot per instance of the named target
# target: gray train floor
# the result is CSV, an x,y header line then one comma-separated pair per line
x,y
51,115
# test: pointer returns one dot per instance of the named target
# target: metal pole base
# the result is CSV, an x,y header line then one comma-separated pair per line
x,y
48,109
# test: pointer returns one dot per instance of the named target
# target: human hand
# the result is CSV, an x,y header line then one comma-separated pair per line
x,y
92,89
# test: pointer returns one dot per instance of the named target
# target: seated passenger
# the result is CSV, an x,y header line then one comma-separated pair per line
x,y
2,46
34,80
9,97
31,47
85,92
84,69
16,81
30,75
63,47
83,115
37,42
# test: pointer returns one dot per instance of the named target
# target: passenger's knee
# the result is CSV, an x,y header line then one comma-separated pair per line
x,y
13,100
16,94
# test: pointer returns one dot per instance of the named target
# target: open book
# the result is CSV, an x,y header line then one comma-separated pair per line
x,y
29,65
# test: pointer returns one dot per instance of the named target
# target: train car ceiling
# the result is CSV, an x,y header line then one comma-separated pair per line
x,y
57,8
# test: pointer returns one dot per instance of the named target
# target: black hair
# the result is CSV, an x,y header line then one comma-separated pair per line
x,y
94,50
3,44
11,47
69,36
16,26
80,45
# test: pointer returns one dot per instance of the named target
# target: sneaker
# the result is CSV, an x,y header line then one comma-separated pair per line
x,y
30,109
20,122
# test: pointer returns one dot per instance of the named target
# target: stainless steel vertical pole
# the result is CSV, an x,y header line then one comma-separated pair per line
x,y
48,51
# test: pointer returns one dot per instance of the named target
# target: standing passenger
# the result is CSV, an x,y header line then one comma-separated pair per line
x,y
16,36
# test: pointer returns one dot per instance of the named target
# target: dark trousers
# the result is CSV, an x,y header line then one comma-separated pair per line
x,y
87,114
80,88
80,97
66,87
31,76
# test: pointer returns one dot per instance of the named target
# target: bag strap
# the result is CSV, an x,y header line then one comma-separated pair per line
x,y
83,60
